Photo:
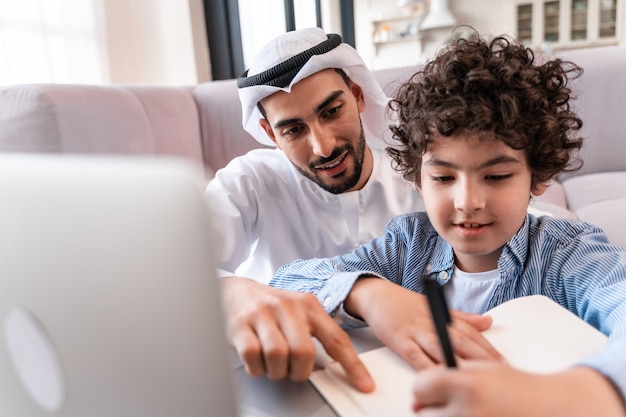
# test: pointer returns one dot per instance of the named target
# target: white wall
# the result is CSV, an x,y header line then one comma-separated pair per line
x,y
156,42
383,56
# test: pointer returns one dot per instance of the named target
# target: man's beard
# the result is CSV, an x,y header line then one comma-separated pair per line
x,y
347,182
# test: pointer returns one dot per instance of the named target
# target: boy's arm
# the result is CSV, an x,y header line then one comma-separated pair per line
x,y
494,391
592,274
401,319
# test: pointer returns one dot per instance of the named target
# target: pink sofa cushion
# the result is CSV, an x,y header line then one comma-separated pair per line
x,y
223,135
100,120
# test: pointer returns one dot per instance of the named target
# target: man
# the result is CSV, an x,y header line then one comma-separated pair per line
x,y
327,188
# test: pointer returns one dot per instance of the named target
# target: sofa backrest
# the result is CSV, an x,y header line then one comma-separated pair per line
x,y
203,123
223,136
600,93
85,119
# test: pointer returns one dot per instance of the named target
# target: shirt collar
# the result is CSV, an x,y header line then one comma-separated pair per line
x,y
516,249
442,255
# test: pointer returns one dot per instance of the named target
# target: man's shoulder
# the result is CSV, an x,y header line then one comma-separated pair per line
x,y
258,162
263,157
259,168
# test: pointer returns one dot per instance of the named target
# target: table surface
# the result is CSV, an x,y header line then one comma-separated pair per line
x,y
261,397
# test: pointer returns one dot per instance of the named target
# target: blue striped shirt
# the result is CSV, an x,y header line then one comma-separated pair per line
x,y
569,261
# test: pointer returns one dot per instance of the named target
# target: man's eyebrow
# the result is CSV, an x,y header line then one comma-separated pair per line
x,y
286,122
331,97
498,160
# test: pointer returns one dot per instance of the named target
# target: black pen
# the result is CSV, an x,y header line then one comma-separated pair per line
x,y
441,317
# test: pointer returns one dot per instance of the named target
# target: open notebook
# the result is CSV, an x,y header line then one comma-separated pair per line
x,y
533,333
109,304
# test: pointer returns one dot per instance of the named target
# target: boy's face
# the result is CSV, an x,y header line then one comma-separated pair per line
x,y
476,194
318,126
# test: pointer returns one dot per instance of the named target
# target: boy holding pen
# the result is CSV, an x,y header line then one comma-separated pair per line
x,y
480,130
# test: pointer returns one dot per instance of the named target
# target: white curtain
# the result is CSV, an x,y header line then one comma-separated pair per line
x,y
52,41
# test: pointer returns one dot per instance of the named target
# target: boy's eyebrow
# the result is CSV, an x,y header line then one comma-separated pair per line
x,y
501,159
331,97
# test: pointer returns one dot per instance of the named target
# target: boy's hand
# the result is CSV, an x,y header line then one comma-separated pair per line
x,y
490,390
272,330
401,319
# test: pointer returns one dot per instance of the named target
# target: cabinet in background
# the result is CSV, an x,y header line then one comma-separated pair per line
x,y
562,24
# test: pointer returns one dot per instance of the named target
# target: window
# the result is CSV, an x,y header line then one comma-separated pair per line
x,y
260,22
563,24
56,41
580,10
551,21
525,23
236,29
608,16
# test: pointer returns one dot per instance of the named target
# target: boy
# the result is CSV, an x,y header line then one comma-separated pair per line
x,y
481,130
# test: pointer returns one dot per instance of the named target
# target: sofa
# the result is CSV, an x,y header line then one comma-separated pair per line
x,y
202,123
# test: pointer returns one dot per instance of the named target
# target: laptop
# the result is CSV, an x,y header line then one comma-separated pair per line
x,y
109,304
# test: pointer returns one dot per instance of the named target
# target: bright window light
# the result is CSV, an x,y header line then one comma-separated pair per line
x,y
261,21
51,41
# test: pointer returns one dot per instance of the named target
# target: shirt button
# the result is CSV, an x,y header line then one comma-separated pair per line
x,y
338,320
327,302
429,267
443,275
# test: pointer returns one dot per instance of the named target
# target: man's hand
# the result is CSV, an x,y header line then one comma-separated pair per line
x,y
491,390
272,330
401,319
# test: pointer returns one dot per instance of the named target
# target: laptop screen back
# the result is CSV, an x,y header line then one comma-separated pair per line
x,y
109,304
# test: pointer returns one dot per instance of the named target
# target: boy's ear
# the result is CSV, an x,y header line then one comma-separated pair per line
x,y
540,188
268,130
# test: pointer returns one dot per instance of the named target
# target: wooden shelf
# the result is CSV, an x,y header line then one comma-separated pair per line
x,y
398,40
394,29
393,19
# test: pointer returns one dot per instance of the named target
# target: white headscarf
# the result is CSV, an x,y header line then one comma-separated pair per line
x,y
342,56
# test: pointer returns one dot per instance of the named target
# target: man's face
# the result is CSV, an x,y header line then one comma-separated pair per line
x,y
318,126
476,194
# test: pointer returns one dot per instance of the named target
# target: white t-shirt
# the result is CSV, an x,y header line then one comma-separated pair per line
x,y
471,291
268,214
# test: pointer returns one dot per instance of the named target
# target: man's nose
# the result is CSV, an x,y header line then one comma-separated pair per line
x,y
322,141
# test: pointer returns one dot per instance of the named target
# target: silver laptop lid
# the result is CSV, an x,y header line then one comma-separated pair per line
x,y
109,304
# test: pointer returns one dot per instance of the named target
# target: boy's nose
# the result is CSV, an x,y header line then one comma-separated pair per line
x,y
469,197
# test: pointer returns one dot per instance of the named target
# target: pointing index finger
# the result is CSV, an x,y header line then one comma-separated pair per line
x,y
338,345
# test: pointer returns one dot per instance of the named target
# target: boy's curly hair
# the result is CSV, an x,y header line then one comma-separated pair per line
x,y
489,87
